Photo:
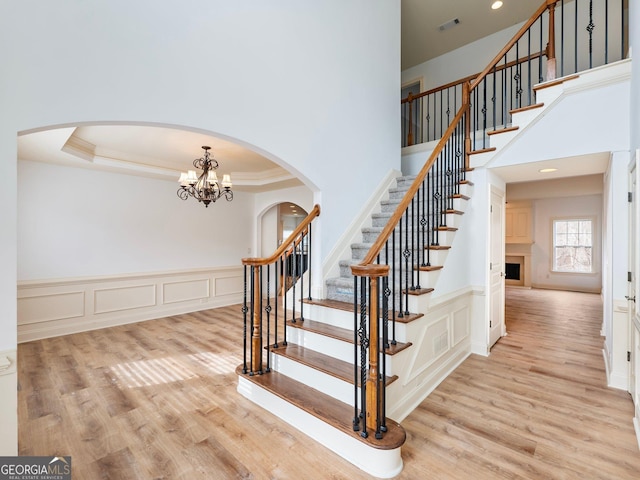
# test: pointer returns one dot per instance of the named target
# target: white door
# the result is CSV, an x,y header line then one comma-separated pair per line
x,y
634,335
496,267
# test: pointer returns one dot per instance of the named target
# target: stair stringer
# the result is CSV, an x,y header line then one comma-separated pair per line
x,y
342,249
510,148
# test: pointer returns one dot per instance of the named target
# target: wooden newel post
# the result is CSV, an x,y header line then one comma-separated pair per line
x,y
374,383
256,329
466,100
410,132
551,46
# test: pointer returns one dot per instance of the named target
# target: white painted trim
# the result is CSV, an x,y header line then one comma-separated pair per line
x,y
342,250
636,427
55,307
376,462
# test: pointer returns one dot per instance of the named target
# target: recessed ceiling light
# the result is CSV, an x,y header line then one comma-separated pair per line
x,y
496,5
547,170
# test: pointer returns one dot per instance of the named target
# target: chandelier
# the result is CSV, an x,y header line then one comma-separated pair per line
x,y
205,187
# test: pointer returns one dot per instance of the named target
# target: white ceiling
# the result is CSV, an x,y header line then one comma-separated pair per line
x,y
422,39
153,152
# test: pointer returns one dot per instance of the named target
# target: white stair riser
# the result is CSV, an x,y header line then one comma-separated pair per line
x,y
376,462
330,316
328,346
338,389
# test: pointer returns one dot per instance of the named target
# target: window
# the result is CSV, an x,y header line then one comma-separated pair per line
x,y
573,245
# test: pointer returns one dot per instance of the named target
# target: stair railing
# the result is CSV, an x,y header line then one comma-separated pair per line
x,y
261,307
390,272
561,38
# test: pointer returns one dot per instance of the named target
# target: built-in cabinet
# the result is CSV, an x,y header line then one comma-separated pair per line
x,y
518,224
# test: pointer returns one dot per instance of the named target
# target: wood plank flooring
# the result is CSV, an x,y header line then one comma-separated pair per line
x,y
158,400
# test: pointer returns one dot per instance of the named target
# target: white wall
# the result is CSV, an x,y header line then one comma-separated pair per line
x,y
75,222
544,211
312,85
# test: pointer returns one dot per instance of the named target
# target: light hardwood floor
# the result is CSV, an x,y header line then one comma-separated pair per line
x,y
158,400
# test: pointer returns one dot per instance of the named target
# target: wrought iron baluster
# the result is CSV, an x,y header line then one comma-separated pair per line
x,y
406,253
356,344
385,343
606,32
302,262
400,296
504,93
416,247
309,262
575,34
529,86
493,99
590,27
277,272
259,353
267,309
428,117
414,229
251,372
285,283
244,321
562,39
293,257
423,224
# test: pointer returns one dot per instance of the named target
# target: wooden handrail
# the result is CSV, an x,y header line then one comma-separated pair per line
x,y
546,4
256,261
406,200
471,77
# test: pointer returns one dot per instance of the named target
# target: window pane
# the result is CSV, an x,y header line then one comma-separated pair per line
x,y
573,246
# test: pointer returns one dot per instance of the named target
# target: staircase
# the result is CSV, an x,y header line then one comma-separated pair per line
x,y
346,369
311,379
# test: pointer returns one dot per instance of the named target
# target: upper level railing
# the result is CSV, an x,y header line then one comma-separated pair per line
x,y
464,112
562,37
265,279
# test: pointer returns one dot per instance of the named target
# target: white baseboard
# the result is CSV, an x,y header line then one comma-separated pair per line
x,y
636,427
51,308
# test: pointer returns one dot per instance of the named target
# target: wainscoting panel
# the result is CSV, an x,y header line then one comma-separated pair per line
x,y
110,300
44,308
441,341
228,285
50,308
185,290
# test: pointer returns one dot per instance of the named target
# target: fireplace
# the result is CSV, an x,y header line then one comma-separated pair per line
x,y
512,271
517,269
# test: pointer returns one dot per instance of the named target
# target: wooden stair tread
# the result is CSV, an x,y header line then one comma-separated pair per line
x,y
446,229
528,107
469,182
438,247
348,307
503,130
475,152
430,268
419,291
331,411
459,195
321,362
451,211
557,81
339,333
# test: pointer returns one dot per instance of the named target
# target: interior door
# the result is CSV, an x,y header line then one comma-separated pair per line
x,y
634,335
496,267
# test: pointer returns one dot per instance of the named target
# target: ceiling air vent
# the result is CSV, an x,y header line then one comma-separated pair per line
x,y
449,24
